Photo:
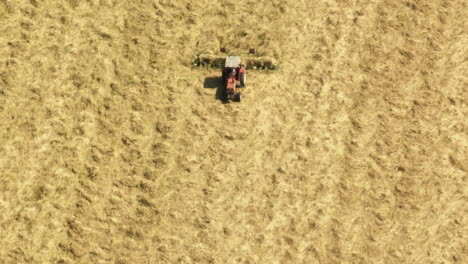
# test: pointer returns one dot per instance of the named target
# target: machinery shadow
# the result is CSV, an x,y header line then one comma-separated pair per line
x,y
215,83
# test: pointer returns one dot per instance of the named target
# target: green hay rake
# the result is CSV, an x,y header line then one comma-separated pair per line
x,y
250,60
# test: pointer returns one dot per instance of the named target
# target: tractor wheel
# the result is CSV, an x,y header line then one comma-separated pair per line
x,y
224,95
242,79
238,97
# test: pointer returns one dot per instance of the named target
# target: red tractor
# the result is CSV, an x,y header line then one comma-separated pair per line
x,y
233,78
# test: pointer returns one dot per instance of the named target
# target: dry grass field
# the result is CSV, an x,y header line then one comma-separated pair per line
x,y
113,149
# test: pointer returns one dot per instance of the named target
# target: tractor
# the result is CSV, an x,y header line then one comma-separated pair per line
x,y
234,76
234,69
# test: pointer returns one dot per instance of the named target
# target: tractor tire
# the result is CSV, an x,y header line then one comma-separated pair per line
x,y
224,95
238,97
243,79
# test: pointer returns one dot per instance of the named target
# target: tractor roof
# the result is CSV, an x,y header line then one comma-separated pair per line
x,y
233,61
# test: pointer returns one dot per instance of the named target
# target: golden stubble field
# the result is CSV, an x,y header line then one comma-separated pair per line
x,y
115,150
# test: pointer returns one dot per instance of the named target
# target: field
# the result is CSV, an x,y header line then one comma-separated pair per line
x,y
114,149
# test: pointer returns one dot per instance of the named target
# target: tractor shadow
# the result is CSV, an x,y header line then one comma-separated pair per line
x,y
215,83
